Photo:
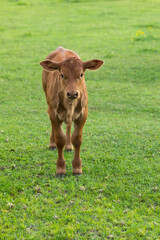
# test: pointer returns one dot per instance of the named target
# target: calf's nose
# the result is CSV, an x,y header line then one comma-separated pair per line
x,y
72,95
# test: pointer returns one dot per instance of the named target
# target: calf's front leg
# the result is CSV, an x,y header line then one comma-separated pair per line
x,y
77,140
60,140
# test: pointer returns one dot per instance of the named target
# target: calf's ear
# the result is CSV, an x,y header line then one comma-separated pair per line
x,y
92,64
49,66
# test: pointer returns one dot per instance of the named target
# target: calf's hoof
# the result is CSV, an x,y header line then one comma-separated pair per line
x,y
52,148
77,174
68,148
77,171
61,172
60,175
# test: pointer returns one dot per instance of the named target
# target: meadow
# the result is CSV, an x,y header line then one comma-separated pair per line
x,y
118,195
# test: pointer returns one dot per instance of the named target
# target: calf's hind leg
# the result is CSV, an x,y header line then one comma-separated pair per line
x,y
68,145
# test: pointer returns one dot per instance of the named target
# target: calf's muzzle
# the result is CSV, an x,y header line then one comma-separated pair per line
x,y
72,95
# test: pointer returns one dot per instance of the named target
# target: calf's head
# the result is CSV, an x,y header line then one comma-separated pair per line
x,y
71,74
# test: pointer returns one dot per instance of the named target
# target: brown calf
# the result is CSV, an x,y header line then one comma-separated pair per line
x,y
66,95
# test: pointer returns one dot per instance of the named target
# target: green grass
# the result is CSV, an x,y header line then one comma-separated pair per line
x,y
118,195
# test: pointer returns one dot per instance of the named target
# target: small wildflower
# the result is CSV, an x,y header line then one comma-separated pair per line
x,y
139,32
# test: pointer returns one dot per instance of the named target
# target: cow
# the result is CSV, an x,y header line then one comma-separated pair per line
x,y
66,95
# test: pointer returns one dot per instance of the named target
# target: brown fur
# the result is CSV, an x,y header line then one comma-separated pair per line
x,y
66,95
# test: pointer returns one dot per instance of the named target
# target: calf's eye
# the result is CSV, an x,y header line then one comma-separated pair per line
x,y
62,76
81,74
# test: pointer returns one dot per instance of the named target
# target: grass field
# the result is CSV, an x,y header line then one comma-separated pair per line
x,y
118,195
